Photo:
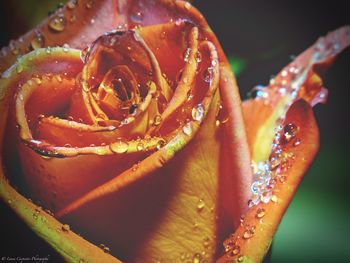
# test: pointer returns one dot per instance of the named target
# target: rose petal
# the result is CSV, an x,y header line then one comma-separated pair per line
x,y
300,79
252,238
71,246
286,102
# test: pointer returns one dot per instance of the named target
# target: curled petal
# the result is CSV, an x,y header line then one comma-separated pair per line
x,y
252,238
284,139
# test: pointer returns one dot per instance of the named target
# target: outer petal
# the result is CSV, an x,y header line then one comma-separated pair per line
x,y
283,137
71,246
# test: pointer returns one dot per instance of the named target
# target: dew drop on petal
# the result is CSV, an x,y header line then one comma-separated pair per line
x,y
260,213
104,248
84,54
297,142
283,179
72,4
248,234
19,68
38,41
257,92
197,257
187,54
160,144
240,259
163,35
198,56
198,112
73,18
200,205
120,146
57,23
65,228
274,198
65,47
265,197
157,120
208,74
206,242
137,17
187,128
89,4
290,130
187,5
140,146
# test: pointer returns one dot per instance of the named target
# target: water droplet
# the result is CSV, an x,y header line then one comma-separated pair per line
x,y
19,68
187,5
137,17
132,109
197,257
258,91
235,250
135,167
198,56
187,54
121,146
208,74
73,18
265,197
260,213
274,198
284,73
187,128
297,142
140,146
206,242
89,4
13,47
59,78
72,4
48,50
37,81
104,248
200,205
65,47
157,120
163,35
57,23
283,179
290,130
248,234
38,41
160,144
198,112
240,259
65,228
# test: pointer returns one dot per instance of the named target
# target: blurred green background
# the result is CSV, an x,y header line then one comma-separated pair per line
x,y
260,37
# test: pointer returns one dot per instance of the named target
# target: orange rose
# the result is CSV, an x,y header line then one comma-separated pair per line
x,y
139,142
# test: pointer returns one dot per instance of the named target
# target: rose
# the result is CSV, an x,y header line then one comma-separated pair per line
x,y
277,103
142,52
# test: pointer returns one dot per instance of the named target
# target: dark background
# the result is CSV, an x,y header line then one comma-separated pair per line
x,y
259,37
